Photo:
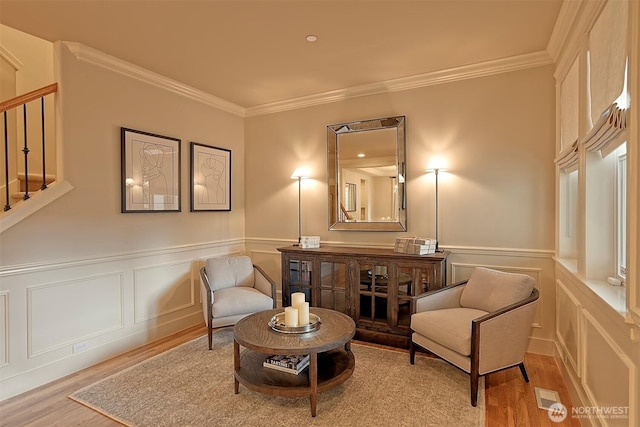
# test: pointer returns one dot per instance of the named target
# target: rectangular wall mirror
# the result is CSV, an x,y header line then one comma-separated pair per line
x,y
366,173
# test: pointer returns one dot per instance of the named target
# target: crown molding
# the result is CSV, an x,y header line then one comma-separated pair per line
x,y
563,28
570,32
13,60
101,59
514,63
465,72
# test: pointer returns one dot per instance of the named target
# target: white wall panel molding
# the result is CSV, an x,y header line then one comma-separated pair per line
x,y
220,246
101,59
470,250
162,289
61,313
633,267
503,252
609,375
585,292
568,330
53,329
4,328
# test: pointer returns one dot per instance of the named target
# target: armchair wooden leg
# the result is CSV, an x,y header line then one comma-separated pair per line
x,y
524,372
473,379
412,353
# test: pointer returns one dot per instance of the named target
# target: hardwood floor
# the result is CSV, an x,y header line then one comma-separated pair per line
x,y
509,400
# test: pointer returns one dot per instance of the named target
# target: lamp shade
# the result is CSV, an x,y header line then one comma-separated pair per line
x,y
300,173
436,169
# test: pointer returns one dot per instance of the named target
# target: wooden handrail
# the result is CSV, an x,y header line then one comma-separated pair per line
x,y
28,97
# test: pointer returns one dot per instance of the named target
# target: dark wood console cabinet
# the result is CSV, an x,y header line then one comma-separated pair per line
x,y
376,287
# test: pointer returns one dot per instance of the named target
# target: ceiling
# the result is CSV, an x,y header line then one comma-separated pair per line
x,y
254,53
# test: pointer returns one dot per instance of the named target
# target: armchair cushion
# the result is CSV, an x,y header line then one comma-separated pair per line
x,y
450,327
239,300
491,290
230,272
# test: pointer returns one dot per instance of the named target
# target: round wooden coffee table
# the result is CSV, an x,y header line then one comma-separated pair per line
x,y
329,347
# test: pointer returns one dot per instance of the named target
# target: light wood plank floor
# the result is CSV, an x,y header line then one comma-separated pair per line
x,y
509,400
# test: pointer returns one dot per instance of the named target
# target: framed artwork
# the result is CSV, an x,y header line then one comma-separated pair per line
x,y
150,172
210,178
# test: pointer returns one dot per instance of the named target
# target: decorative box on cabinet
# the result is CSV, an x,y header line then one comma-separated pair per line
x,y
376,287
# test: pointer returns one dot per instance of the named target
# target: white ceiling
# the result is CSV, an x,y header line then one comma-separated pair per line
x,y
254,53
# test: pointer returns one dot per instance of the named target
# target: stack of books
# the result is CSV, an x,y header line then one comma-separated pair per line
x,y
290,364
309,242
415,245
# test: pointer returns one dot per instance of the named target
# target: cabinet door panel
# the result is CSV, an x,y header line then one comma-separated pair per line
x,y
333,286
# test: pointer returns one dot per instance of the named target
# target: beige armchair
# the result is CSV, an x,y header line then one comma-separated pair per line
x,y
232,288
480,325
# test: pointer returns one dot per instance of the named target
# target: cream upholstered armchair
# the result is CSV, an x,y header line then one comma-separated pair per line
x,y
232,288
480,325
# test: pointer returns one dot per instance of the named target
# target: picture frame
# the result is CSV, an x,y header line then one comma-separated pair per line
x,y
210,178
150,172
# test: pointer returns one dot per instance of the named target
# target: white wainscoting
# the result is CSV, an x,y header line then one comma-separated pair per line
x,y
4,328
60,317
599,355
608,375
162,289
56,319
536,263
568,330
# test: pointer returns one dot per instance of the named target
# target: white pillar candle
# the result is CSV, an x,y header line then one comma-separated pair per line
x,y
290,316
303,313
296,298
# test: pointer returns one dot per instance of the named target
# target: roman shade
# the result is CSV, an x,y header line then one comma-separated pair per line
x,y
607,76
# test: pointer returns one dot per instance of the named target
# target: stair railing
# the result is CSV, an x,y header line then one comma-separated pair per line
x,y
22,101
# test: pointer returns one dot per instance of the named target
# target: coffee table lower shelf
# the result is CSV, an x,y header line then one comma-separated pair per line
x,y
334,368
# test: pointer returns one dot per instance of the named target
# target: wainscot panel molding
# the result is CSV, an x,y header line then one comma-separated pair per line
x,y
4,328
568,330
236,245
537,263
171,285
608,373
57,318
601,371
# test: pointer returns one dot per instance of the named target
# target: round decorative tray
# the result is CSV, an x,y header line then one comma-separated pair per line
x,y
277,324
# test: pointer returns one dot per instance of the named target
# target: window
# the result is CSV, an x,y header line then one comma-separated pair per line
x,y
621,211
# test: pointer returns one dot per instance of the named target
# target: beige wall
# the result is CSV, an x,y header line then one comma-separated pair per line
x,y
82,282
495,133
87,222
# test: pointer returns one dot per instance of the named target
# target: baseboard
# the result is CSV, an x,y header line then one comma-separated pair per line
x,y
541,346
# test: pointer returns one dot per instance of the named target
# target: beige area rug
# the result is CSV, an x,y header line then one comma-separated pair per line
x,y
192,386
